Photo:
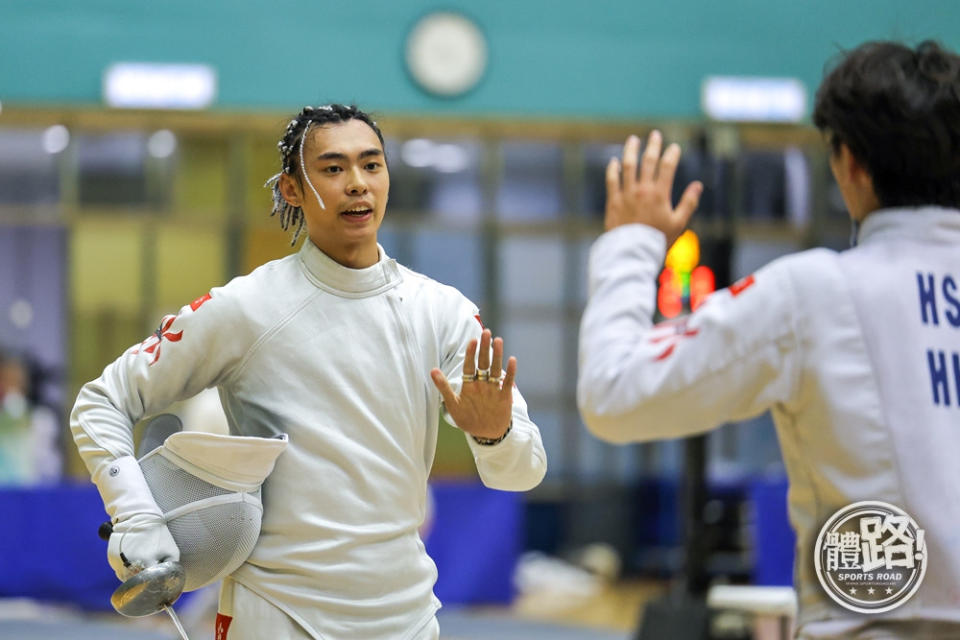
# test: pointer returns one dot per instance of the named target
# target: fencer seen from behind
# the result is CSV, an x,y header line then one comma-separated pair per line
x,y
856,353
354,358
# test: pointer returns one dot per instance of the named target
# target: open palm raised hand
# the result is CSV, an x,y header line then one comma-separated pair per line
x,y
483,407
645,198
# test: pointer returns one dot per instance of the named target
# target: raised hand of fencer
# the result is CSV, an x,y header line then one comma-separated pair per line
x,y
483,406
646,198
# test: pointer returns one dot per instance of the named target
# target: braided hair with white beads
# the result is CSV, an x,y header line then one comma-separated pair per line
x,y
291,156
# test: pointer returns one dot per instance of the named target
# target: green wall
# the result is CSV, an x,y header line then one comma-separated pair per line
x,y
548,58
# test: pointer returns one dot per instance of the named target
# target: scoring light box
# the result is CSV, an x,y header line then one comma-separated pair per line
x,y
144,85
754,99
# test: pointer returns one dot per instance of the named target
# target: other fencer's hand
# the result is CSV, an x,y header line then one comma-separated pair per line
x,y
483,406
646,198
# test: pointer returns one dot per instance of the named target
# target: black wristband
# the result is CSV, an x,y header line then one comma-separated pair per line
x,y
491,441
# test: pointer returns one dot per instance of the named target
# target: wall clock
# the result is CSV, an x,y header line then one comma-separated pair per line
x,y
446,53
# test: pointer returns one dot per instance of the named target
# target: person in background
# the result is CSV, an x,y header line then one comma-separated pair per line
x,y
29,446
856,353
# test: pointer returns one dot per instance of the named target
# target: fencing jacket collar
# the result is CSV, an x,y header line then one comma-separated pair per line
x,y
929,224
345,282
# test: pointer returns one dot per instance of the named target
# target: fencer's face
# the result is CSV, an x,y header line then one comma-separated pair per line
x,y
345,163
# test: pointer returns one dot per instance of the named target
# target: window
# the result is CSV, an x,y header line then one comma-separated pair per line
x,y
531,180
125,168
440,178
28,169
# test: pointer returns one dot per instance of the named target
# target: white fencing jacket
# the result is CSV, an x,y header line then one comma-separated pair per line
x,y
856,353
339,360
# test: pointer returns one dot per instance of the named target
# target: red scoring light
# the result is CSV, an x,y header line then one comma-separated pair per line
x,y
702,284
669,294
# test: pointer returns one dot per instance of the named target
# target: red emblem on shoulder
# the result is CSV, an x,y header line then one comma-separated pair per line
x,y
196,304
741,285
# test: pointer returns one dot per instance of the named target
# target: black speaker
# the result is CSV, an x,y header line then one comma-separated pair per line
x,y
675,617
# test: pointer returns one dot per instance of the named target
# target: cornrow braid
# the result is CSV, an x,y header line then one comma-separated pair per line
x,y
291,153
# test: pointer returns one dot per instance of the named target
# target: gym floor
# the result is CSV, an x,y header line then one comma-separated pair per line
x,y
609,613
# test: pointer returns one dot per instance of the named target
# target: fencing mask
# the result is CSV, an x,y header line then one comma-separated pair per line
x,y
208,487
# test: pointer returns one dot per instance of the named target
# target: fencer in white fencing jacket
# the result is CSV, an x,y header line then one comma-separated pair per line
x,y
339,359
857,354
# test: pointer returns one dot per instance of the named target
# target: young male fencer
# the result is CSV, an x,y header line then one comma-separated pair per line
x,y
856,353
352,356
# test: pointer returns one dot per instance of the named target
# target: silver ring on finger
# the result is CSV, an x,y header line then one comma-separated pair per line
x,y
483,375
468,377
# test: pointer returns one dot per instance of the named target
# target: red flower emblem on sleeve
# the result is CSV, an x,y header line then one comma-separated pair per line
x,y
152,344
675,330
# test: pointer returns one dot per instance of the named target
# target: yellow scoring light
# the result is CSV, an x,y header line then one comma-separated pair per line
x,y
684,255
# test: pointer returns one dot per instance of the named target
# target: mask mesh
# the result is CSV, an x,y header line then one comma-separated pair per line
x,y
214,527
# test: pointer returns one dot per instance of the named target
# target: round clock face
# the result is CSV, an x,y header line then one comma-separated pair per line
x,y
446,53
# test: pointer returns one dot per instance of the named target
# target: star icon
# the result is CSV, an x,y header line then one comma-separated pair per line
x,y
889,590
870,590
853,590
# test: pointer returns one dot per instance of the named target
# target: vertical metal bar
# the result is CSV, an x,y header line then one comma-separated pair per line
x,y
148,273
819,202
694,498
238,152
491,235
573,167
